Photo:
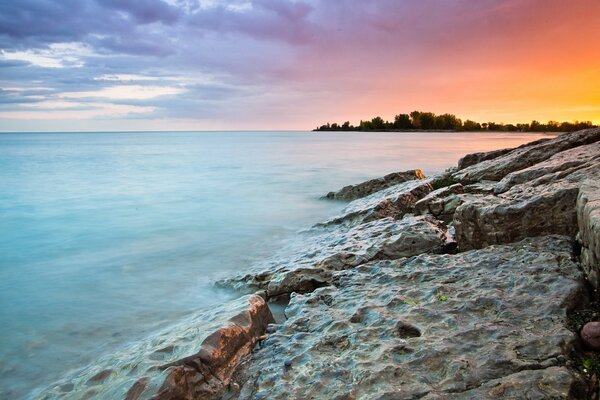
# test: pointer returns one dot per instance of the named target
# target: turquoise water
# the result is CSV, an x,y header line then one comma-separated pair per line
x,y
109,237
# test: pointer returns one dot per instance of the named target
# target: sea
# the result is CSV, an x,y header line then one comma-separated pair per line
x,y
110,243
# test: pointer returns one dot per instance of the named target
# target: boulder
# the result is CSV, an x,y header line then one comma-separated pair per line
x,y
531,209
438,325
353,192
206,374
525,156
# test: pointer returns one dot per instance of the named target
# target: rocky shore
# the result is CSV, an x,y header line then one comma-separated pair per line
x,y
473,284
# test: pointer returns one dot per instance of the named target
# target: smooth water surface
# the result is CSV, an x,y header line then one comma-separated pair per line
x,y
108,237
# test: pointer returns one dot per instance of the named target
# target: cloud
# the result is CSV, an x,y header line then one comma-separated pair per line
x,y
125,92
76,111
247,59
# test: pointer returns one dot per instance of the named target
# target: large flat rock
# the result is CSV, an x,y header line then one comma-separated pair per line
x,y
557,166
473,325
546,205
525,156
343,247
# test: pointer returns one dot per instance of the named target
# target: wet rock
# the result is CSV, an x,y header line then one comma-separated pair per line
x,y
548,383
353,192
393,202
100,376
383,332
525,156
590,335
138,388
347,247
207,374
303,280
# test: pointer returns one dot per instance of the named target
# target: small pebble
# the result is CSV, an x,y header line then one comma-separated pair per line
x,y
287,363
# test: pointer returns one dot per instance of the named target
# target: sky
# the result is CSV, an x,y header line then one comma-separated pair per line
x,y
95,65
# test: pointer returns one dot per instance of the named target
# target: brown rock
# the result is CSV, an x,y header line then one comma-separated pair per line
x,y
207,374
590,335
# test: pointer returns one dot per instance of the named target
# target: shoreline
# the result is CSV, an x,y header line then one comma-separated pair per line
x,y
393,297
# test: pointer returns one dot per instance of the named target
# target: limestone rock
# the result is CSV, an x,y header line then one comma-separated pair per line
x,y
567,161
476,158
588,217
440,202
395,202
549,383
526,156
206,374
526,210
346,247
353,192
432,324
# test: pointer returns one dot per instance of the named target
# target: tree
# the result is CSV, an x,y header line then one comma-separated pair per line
x,y
378,123
402,121
469,125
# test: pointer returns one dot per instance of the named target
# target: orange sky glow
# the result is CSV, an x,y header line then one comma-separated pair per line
x,y
298,64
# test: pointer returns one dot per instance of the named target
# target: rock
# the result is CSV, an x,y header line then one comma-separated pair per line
x,y
567,161
525,156
439,202
381,331
138,388
207,373
588,218
394,202
548,383
526,210
100,376
346,247
353,192
590,335
476,158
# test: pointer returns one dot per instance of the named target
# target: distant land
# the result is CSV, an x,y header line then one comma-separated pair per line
x,y
428,121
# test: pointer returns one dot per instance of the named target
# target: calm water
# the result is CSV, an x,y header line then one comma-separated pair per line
x,y
109,237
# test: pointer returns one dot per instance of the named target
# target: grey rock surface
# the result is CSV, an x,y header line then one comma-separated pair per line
x,y
566,162
476,158
525,156
345,247
463,325
353,192
395,202
441,202
588,218
530,209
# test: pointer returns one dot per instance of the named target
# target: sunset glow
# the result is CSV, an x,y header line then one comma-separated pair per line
x,y
266,64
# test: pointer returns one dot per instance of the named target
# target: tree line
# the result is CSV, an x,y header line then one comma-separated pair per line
x,y
419,120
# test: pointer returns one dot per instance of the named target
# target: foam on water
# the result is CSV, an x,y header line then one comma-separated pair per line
x,y
110,240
